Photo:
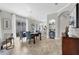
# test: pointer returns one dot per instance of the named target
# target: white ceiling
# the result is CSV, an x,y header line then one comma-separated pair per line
x,y
37,10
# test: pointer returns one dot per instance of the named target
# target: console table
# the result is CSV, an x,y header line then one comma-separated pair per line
x,y
70,46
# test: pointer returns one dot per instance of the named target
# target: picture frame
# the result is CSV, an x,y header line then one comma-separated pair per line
x,y
6,24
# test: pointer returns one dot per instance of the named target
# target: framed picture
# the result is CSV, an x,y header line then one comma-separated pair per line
x,y
6,24
71,21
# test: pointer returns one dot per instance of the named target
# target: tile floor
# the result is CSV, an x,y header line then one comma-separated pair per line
x,y
43,47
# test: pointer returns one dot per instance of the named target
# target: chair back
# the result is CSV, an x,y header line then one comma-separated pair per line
x,y
28,35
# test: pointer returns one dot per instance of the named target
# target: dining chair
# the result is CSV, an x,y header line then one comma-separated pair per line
x,y
28,35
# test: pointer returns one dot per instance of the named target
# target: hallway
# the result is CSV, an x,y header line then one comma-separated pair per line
x,y
44,47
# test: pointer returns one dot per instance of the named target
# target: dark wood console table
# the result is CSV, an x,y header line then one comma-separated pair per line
x,y
70,46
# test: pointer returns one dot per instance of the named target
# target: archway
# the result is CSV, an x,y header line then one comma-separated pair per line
x,y
63,22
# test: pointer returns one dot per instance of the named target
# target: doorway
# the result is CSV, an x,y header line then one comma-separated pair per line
x,y
52,29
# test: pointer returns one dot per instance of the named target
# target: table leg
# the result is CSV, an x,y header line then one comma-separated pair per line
x,y
34,40
40,36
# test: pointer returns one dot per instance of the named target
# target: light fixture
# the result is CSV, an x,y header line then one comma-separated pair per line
x,y
56,3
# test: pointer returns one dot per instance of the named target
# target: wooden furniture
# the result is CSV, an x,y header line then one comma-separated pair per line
x,y
30,36
8,40
70,46
34,36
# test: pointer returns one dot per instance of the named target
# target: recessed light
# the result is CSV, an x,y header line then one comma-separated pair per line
x,y
56,3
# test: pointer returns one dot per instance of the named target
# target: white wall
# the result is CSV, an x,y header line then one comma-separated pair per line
x,y
20,27
6,32
35,22
64,21
0,32
72,30
55,17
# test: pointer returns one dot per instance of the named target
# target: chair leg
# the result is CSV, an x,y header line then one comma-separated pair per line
x,y
1,47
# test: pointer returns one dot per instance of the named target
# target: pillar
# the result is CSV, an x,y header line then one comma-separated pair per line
x,y
57,31
0,30
47,28
14,25
27,29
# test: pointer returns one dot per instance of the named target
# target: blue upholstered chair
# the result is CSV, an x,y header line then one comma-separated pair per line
x,y
22,35
28,35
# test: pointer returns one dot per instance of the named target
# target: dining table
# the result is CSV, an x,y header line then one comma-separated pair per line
x,y
35,35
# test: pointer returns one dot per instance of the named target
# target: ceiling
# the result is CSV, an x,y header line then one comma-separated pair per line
x,y
36,10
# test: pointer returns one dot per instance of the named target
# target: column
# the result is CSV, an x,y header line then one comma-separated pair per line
x,y
47,28
14,25
27,29
0,30
57,32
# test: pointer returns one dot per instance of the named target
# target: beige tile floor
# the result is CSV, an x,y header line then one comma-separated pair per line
x,y
43,47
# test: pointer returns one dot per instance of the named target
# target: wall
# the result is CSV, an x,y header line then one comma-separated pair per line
x,y
55,17
57,28
12,18
33,22
0,32
72,30
64,21
61,21
5,32
22,25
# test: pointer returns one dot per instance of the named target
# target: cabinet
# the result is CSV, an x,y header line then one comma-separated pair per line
x,y
70,46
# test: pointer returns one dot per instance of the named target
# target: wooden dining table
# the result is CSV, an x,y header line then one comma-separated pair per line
x,y
35,35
